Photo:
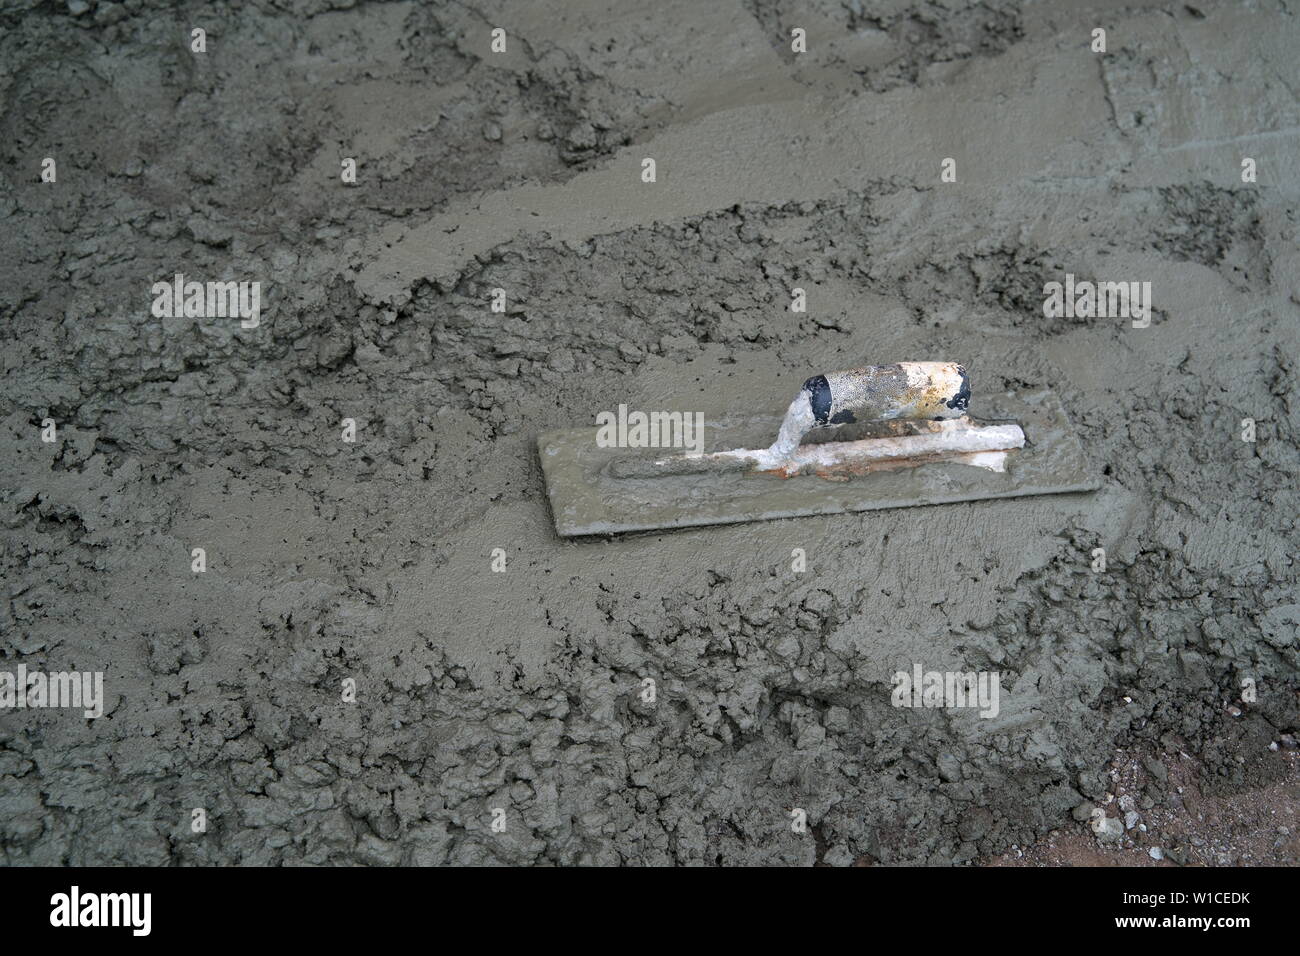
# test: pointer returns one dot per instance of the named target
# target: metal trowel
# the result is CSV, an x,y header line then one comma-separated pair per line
x,y
887,436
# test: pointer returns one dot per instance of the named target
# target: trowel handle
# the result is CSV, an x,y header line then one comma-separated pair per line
x,y
904,390
882,392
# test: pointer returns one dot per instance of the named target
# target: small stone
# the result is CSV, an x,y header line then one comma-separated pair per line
x,y
949,768
107,14
582,136
839,855
1107,829
1234,710
1130,820
1083,812
812,736
78,7
562,361
1156,769
492,132
1156,853
975,824
1127,803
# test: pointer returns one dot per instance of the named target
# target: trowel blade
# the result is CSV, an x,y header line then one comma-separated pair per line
x,y
587,500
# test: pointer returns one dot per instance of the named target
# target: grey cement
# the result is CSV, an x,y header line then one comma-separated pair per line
x,y
520,690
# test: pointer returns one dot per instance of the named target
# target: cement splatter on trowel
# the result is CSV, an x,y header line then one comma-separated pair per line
x,y
905,439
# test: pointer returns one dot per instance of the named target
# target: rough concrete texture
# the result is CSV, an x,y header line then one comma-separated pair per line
x,y
520,690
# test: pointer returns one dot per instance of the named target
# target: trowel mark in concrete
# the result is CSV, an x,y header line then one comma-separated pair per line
x,y
1217,227
887,49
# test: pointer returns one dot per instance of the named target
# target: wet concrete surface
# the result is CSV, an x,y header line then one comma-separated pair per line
x,y
524,690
